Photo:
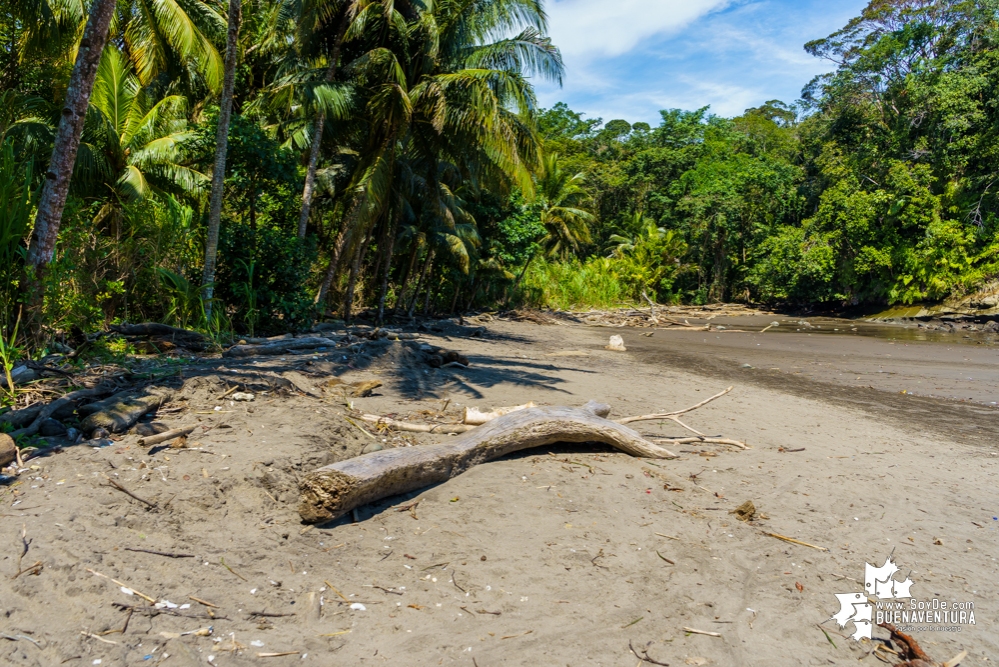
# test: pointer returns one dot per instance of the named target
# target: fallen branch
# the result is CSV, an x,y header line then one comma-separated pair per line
x,y
278,347
914,654
155,329
335,490
707,441
416,428
670,415
159,553
156,611
115,485
645,657
474,418
792,540
694,631
165,436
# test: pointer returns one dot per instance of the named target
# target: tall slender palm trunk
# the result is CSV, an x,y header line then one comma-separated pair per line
x,y
400,300
67,142
310,175
419,283
317,131
221,147
355,269
338,243
389,248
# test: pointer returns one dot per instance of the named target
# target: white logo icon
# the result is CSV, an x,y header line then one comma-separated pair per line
x,y
878,582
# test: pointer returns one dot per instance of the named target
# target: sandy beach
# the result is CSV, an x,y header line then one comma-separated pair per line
x,y
564,556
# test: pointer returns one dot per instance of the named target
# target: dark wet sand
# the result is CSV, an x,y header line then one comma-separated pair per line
x,y
948,385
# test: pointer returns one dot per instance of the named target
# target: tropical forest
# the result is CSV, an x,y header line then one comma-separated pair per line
x,y
252,167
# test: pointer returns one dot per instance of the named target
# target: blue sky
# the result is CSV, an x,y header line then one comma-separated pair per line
x,y
630,58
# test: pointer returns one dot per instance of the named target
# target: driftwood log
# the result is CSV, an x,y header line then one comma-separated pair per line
x,y
156,329
122,411
447,429
279,347
65,402
334,490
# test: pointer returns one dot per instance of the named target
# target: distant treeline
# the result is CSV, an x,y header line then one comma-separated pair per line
x,y
391,156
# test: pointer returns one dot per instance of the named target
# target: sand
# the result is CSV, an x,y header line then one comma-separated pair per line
x,y
560,556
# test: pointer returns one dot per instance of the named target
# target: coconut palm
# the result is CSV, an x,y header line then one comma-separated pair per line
x,y
133,143
155,35
456,106
172,37
558,198
221,148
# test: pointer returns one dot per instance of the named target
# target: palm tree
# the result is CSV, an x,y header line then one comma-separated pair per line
x,y
134,144
67,142
154,34
221,146
172,37
559,196
457,108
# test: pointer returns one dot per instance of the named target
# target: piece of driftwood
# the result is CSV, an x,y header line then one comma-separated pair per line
x,y
672,416
23,374
69,399
122,413
166,435
334,490
675,417
476,417
156,329
23,417
278,347
912,652
446,429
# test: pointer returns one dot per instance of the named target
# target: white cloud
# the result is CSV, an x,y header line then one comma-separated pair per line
x,y
591,28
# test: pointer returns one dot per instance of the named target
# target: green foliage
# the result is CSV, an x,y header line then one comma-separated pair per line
x,y
10,352
16,204
185,308
573,284
440,185
263,279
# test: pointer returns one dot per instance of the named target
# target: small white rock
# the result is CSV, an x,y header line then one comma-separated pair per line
x,y
617,344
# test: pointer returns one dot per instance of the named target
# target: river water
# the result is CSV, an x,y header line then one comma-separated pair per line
x,y
944,382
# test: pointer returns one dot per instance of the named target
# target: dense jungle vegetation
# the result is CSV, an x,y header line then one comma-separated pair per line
x,y
250,166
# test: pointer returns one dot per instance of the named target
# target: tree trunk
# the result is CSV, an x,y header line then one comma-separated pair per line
x,y
475,292
355,268
454,301
335,252
221,147
389,248
426,302
405,279
67,141
317,132
310,175
419,283
523,271
334,490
